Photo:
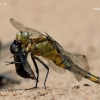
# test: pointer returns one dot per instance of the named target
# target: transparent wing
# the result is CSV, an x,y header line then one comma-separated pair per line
x,y
79,60
22,28
51,64
56,68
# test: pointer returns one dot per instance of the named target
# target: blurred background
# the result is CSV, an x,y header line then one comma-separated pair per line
x,y
74,24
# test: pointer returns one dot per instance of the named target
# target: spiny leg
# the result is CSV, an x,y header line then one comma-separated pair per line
x,y
45,67
37,71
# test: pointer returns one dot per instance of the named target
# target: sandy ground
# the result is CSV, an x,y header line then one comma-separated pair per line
x,y
74,24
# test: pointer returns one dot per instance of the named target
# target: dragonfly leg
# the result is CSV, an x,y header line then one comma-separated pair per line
x,y
37,71
46,68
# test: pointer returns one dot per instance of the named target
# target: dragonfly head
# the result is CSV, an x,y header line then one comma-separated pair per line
x,y
22,36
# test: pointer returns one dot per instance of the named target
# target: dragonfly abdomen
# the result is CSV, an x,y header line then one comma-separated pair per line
x,y
77,70
93,78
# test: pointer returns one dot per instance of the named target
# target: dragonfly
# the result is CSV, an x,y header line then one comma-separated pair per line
x,y
38,44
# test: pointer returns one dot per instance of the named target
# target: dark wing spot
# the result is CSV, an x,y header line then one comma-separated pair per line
x,y
84,56
11,19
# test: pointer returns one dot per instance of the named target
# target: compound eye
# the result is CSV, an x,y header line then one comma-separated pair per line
x,y
18,35
24,37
